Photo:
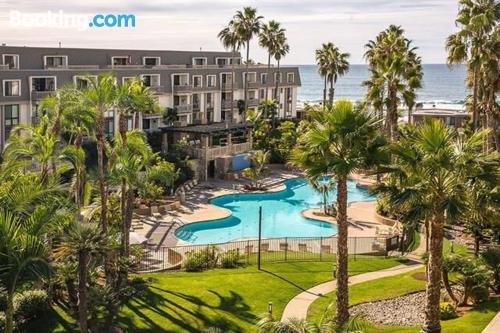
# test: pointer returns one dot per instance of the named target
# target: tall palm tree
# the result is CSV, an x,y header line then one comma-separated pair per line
x,y
100,98
431,164
331,65
396,74
476,20
82,241
247,24
269,38
282,49
231,39
339,141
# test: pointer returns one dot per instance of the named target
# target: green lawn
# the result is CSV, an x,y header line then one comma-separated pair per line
x,y
472,322
228,299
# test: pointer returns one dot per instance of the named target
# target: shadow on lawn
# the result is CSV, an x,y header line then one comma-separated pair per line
x,y
193,316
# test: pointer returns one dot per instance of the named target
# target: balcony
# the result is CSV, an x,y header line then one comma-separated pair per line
x,y
252,102
183,87
253,85
4,67
185,108
37,95
157,89
212,153
83,67
227,104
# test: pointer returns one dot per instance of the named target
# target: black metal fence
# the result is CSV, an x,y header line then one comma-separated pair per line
x,y
271,250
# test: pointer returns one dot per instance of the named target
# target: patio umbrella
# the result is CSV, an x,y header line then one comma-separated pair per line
x,y
135,238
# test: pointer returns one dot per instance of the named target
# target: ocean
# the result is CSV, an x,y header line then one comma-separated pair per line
x,y
441,85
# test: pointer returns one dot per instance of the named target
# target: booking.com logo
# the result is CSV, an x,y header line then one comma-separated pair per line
x,y
61,20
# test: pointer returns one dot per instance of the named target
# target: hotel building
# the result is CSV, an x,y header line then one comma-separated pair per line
x,y
196,84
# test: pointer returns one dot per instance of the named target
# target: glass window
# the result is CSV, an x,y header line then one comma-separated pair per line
x,y
12,60
12,88
151,61
197,81
53,61
290,77
211,81
11,115
263,78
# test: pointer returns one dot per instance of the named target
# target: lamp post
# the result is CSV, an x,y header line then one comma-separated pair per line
x,y
260,237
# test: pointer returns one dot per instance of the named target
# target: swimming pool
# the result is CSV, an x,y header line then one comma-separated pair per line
x,y
281,215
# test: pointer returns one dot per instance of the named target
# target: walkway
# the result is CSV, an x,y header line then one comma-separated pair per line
x,y
298,306
494,325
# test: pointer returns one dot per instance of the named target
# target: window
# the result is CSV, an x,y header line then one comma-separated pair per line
x,y
200,61
146,124
252,77
197,81
121,61
82,82
11,88
55,61
181,80
126,79
151,80
262,93
151,61
277,77
43,83
211,80
11,60
252,94
290,77
130,123
263,78
109,126
208,100
236,61
11,113
226,78
223,61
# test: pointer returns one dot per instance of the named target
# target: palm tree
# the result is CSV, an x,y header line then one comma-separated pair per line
x,y
281,51
100,97
23,257
269,38
259,159
324,189
247,24
331,65
231,39
431,163
82,241
396,74
339,141
476,19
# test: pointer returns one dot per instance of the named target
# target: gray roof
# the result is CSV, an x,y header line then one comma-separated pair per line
x,y
209,128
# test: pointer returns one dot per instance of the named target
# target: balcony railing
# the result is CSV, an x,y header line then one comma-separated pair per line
x,y
157,89
253,102
37,95
227,104
218,151
183,87
83,67
185,108
4,67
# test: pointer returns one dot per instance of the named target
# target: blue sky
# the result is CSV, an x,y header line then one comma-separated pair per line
x,y
191,25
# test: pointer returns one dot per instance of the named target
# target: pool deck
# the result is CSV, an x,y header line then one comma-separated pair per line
x,y
197,208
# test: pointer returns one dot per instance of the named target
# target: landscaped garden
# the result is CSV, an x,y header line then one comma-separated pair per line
x,y
229,299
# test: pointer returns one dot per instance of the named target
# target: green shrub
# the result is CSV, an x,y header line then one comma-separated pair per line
x,y
200,260
31,304
480,294
447,311
230,259
2,321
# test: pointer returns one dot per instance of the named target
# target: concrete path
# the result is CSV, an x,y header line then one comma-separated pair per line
x,y
494,325
298,306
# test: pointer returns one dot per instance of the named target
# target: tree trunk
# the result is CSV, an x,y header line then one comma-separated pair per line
x,y
103,191
9,313
331,92
426,236
246,74
475,115
447,286
232,86
492,139
342,314
324,91
277,89
434,270
82,291
268,74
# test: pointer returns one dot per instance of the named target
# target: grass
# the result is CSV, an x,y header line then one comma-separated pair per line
x,y
229,299
471,322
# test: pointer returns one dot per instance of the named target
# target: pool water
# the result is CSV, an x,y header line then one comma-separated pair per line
x,y
281,215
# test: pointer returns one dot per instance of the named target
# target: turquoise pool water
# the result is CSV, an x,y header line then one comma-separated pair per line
x,y
280,215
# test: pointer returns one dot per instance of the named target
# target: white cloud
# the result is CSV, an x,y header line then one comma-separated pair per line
x,y
190,24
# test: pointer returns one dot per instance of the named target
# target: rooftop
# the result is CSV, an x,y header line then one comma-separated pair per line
x,y
209,128
441,112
